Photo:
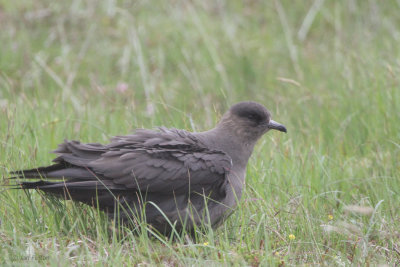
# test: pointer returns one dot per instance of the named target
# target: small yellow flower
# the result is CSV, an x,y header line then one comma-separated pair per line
x,y
330,217
276,253
205,243
292,237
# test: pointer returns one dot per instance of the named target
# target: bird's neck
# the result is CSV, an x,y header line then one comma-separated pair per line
x,y
236,144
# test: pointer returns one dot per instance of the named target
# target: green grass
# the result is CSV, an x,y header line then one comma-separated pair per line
x,y
328,70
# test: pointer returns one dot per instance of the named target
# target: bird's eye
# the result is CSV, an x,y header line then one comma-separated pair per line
x,y
250,116
253,117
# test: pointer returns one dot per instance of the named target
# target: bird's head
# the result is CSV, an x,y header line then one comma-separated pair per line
x,y
249,121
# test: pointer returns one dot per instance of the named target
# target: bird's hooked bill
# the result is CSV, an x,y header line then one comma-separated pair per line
x,y
276,126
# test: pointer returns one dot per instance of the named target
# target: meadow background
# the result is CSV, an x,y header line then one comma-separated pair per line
x,y
328,192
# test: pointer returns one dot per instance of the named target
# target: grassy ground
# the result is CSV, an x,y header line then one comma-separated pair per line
x,y
328,192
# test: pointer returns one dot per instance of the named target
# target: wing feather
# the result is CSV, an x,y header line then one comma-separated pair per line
x,y
159,161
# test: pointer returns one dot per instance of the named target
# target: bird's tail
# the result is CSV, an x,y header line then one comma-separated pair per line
x,y
38,173
27,176
62,180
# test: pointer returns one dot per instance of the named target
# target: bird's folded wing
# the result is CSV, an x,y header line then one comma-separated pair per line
x,y
158,170
155,161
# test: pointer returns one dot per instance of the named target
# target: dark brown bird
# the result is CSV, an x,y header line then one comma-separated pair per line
x,y
173,177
